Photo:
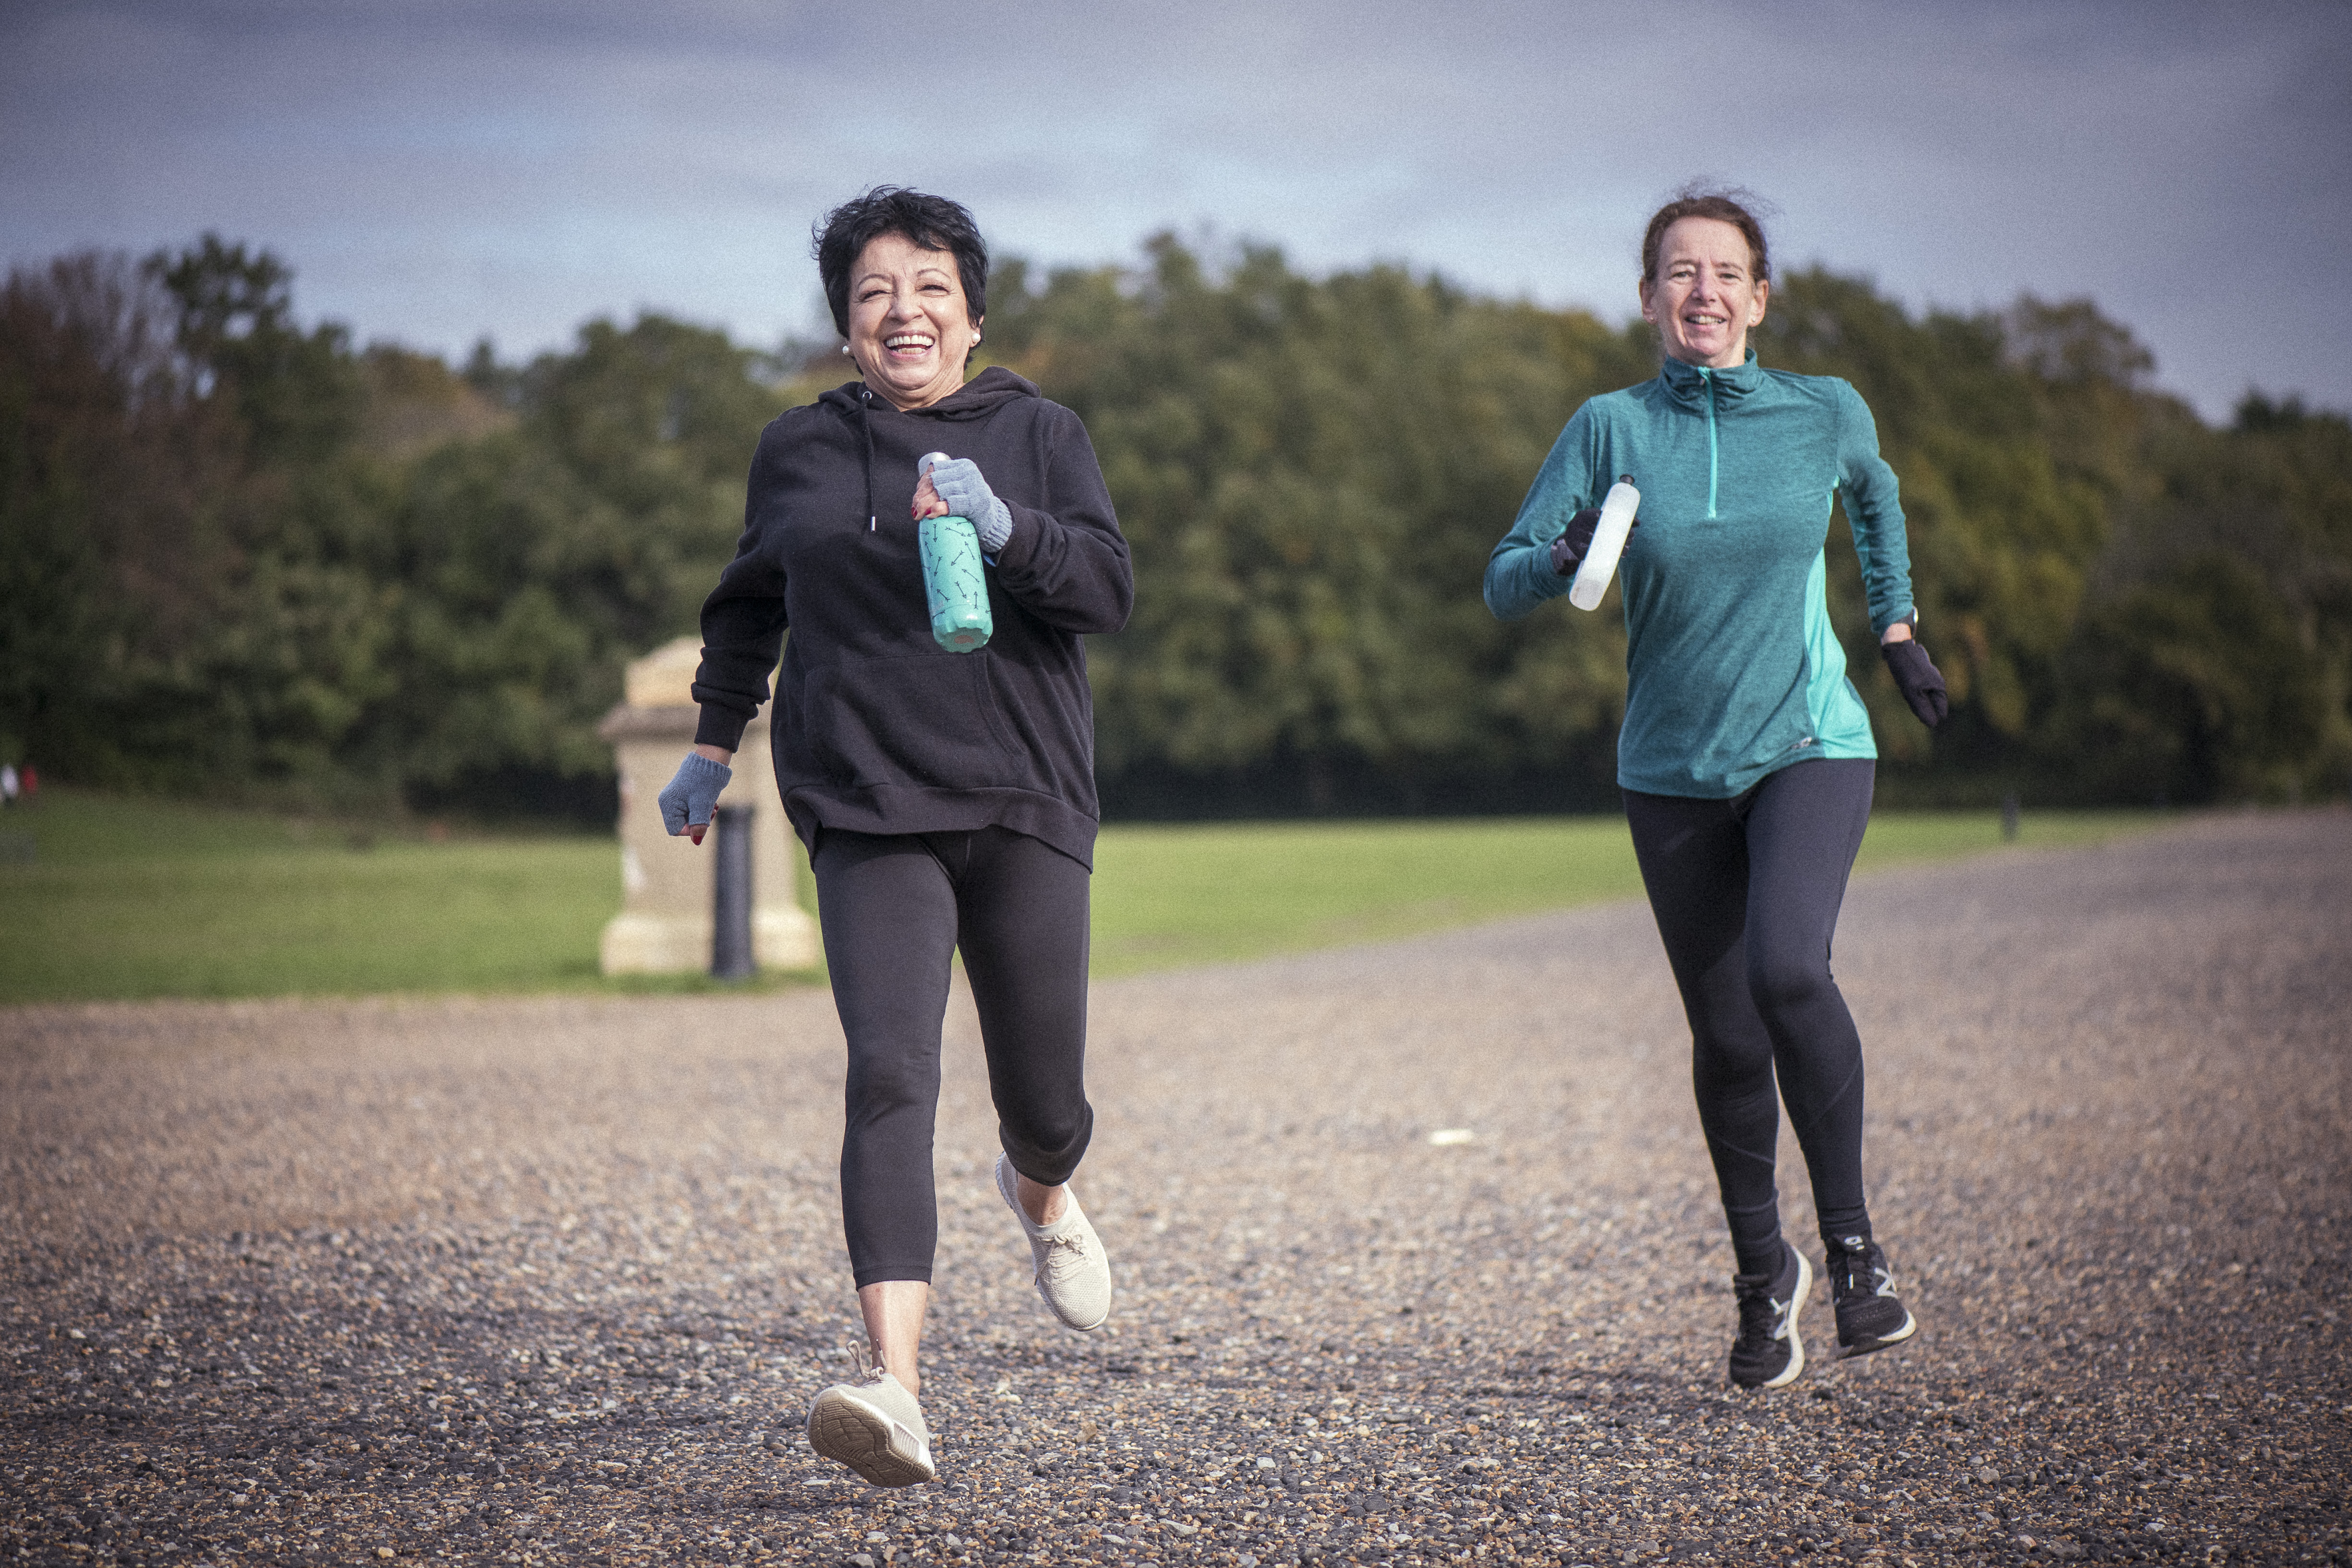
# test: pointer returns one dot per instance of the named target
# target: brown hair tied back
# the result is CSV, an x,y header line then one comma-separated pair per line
x,y
1728,205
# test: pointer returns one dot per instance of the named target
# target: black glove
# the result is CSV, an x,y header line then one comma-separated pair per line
x,y
1567,550
1916,675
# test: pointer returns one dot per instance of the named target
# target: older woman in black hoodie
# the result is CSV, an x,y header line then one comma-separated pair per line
x,y
947,800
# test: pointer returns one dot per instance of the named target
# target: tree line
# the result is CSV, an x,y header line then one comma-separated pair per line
x,y
243,557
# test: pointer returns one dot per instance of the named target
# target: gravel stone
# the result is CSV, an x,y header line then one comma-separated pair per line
x,y
551,1280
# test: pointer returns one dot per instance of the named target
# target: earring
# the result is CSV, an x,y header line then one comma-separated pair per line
x,y
975,340
844,348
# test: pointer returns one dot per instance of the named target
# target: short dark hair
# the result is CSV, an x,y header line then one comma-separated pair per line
x,y
934,223
1729,205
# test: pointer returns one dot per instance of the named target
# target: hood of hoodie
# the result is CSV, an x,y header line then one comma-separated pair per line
x,y
990,390
1688,383
984,394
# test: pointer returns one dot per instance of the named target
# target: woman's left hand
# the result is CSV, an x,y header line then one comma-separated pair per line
x,y
1917,677
957,488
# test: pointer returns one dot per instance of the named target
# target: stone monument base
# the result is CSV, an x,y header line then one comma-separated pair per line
x,y
680,944
664,926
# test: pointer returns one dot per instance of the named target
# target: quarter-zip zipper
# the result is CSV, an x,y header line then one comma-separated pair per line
x,y
1707,377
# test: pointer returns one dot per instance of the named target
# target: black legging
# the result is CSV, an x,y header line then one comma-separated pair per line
x,y
1746,892
893,909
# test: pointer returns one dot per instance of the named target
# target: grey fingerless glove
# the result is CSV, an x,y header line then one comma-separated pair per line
x,y
960,484
692,793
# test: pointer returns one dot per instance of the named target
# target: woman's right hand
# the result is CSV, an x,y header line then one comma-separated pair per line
x,y
1575,540
958,488
692,793
927,500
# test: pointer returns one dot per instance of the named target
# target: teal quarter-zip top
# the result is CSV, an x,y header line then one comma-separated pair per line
x,y
1732,667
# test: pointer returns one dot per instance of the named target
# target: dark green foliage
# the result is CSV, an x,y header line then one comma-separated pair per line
x,y
2214,656
2194,683
2129,605
118,524
1311,475
240,556
539,560
296,395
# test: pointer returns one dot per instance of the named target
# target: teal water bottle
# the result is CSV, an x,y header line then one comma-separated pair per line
x,y
952,577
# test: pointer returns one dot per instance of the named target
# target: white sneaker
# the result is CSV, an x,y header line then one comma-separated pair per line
x,y
876,1429
1073,1270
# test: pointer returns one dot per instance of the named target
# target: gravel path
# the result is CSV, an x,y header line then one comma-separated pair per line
x,y
551,1280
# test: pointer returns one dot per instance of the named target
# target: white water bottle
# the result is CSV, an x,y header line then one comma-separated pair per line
x,y
1608,543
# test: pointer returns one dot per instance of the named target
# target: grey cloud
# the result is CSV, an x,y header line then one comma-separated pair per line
x,y
436,168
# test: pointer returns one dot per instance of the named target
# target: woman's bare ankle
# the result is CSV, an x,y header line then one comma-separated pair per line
x,y
894,1311
1042,1204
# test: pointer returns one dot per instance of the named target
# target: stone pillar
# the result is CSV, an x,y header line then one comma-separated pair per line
x,y
664,926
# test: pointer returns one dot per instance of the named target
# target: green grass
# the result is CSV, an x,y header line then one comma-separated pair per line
x,y
134,898
1169,896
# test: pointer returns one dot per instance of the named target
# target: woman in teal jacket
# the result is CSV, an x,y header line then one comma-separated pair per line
x,y
1746,755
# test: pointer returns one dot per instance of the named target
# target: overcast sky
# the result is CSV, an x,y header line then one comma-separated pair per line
x,y
437,170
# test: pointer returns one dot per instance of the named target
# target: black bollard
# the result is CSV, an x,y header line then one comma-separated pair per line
x,y
731,896
2008,818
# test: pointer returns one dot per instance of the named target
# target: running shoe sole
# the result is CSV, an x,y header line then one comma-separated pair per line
x,y
850,1431
1881,1341
1789,1373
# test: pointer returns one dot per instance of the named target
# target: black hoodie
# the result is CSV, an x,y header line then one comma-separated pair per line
x,y
877,729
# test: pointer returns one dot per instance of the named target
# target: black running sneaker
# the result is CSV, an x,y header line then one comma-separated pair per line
x,y
1870,1315
1768,1352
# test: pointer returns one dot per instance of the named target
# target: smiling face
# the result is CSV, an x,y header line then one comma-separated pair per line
x,y
1706,294
909,324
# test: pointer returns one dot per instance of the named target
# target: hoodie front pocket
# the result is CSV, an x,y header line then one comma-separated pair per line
x,y
921,719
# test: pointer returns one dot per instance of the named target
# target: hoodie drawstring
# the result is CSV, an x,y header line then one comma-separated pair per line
x,y
866,423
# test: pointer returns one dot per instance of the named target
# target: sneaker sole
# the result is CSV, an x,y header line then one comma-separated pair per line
x,y
1880,1342
1076,1328
848,1431
1789,1373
